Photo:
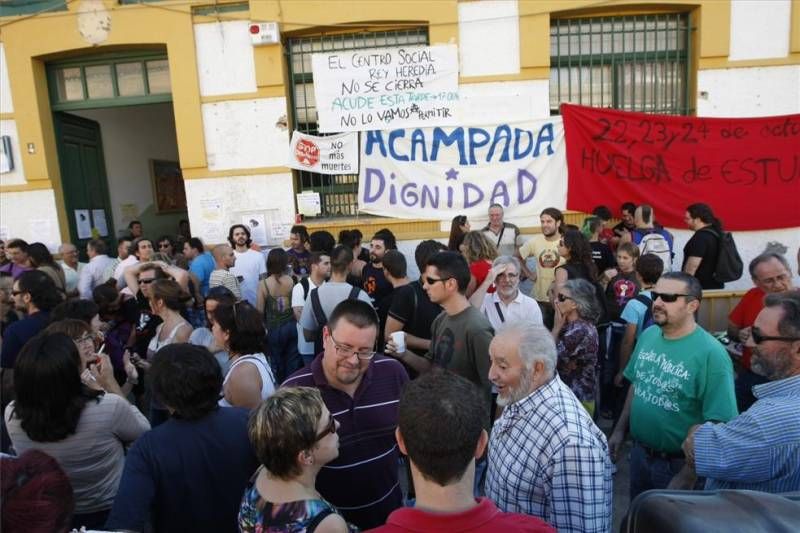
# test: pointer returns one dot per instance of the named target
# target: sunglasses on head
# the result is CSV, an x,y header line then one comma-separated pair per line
x,y
329,430
758,337
667,296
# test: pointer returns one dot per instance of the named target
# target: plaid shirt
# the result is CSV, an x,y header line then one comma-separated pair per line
x,y
548,459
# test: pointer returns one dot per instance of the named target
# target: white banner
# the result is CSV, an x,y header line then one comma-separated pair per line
x,y
381,88
335,154
438,173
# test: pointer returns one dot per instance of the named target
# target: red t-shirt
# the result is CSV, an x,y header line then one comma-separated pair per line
x,y
745,313
480,269
483,518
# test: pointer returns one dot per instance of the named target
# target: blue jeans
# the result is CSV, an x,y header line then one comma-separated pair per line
x,y
649,473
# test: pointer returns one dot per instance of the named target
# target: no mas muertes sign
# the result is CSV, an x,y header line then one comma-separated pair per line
x,y
334,154
437,173
382,88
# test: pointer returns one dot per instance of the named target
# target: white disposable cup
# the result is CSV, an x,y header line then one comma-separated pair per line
x,y
399,340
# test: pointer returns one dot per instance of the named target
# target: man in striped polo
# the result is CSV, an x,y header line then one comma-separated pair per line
x,y
362,392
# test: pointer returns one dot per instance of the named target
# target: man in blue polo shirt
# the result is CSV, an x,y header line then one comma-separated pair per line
x,y
362,391
202,262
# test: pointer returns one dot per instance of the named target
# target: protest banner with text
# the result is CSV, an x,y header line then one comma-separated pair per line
x,y
334,154
746,169
437,173
383,88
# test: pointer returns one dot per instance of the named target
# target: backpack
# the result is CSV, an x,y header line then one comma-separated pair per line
x,y
729,265
648,313
319,315
654,242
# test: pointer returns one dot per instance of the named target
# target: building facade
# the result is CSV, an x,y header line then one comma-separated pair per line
x,y
106,103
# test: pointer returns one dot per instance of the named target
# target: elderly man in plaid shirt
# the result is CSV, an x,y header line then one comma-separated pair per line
x,y
546,456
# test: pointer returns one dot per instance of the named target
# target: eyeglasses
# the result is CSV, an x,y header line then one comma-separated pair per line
x,y
563,297
431,281
145,281
758,338
345,352
329,430
668,297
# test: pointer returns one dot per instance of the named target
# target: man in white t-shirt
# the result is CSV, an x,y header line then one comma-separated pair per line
x,y
250,264
507,303
320,265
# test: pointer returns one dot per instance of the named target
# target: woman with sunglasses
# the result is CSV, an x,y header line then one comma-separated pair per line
x,y
458,228
576,311
249,380
294,436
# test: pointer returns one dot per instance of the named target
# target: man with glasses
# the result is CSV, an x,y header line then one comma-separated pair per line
x,y
507,303
166,246
362,391
680,376
760,449
771,274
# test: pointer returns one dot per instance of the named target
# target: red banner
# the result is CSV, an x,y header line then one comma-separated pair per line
x,y
746,169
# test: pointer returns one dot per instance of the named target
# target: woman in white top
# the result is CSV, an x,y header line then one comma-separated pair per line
x,y
167,300
85,430
249,380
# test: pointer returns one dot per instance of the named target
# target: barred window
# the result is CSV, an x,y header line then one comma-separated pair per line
x,y
338,194
634,63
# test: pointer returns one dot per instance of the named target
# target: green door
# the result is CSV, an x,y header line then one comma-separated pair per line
x,y
83,177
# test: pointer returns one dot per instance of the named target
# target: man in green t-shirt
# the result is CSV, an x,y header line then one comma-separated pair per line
x,y
680,376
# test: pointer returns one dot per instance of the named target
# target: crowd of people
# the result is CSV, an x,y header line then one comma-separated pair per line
x,y
318,388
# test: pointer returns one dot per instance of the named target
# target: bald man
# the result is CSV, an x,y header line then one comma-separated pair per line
x,y
224,259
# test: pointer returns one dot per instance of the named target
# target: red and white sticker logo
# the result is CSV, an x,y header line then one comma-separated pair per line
x,y
306,152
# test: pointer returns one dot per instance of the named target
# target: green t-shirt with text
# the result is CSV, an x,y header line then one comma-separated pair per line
x,y
678,383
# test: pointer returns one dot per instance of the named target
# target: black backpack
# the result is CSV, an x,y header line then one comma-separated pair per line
x,y
322,320
729,265
645,300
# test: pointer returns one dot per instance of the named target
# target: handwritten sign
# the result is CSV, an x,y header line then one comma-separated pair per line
x,y
437,173
746,169
381,88
336,154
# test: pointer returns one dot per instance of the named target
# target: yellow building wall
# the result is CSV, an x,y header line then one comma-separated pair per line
x,y
31,42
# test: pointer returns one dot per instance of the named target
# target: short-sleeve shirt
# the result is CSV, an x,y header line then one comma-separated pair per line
x,y
704,244
224,278
249,268
506,240
744,315
547,259
678,383
330,295
363,481
299,300
635,312
520,309
621,289
202,266
460,343
602,256
412,307
299,261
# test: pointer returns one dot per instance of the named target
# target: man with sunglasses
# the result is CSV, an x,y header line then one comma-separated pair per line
x,y
362,391
771,274
760,449
680,376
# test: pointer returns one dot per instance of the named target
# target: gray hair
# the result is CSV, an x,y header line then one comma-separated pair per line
x,y
763,258
507,260
789,325
584,295
535,344
693,287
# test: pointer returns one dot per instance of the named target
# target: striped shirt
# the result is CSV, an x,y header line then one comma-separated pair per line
x,y
225,279
760,448
362,482
548,459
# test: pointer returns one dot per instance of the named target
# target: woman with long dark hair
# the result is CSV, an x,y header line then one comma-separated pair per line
x,y
42,259
249,379
274,302
458,228
702,250
84,430
577,252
